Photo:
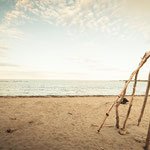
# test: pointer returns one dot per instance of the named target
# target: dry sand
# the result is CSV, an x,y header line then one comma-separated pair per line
x,y
68,123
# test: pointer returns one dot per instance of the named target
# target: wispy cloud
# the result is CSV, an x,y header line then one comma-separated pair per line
x,y
10,32
3,49
43,75
2,53
111,16
94,65
15,17
8,65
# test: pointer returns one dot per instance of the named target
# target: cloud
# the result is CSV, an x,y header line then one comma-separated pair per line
x,y
94,65
10,21
137,7
3,49
15,17
10,32
111,17
2,53
61,12
7,65
87,61
44,75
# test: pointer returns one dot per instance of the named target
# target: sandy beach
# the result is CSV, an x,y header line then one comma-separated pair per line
x,y
69,123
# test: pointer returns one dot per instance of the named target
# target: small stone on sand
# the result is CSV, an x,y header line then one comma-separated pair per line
x,y
10,130
31,122
69,113
122,132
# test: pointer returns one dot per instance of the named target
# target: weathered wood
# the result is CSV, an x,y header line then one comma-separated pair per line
x,y
117,109
144,59
147,139
131,102
145,100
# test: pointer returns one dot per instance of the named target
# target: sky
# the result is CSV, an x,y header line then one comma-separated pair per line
x,y
73,39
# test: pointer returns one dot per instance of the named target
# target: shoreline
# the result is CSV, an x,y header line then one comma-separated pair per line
x,y
65,96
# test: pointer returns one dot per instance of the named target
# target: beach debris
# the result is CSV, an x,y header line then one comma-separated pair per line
x,y
131,102
102,148
122,132
30,122
124,101
121,95
73,124
145,100
69,113
140,139
13,118
107,103
10,130
117,107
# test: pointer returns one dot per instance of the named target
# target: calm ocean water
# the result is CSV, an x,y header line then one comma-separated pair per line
x,y
62,88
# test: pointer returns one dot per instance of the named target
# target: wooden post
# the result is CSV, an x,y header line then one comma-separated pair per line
x,y
144,59
145,100
147,139
131,102
117,108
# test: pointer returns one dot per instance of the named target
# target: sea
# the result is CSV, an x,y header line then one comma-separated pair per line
x,y
67,87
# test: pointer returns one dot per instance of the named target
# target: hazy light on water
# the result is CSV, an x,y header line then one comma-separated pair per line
x,y
65,87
